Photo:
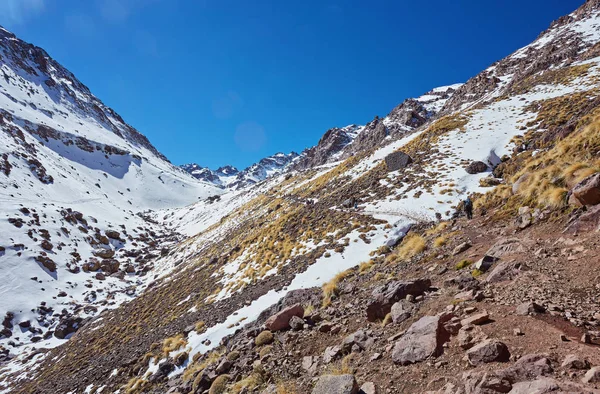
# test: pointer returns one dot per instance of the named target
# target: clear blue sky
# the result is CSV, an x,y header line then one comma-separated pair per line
x,y
228,82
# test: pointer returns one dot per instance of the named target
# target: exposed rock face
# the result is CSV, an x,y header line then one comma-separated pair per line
x,y
385,296
332,143
587,192
422,340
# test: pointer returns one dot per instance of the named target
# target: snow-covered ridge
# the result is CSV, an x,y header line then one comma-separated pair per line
x,y
230,177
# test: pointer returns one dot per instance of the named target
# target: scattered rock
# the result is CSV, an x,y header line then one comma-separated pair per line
x,y
461,248
469,335
331,353
296,323
368,388
485,263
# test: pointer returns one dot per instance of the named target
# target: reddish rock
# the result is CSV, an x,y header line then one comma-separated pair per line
x,y
589,221
281,320
587,192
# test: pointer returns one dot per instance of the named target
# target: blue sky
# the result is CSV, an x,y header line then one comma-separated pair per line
x,y
228,82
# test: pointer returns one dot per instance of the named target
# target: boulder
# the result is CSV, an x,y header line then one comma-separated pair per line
x,y
529,308
281,320
397,160
296,323
468,336
505,246
401,311
461,248
476,167
506,270
104,253
331,353
359,339
112,234
592,376
573,361
336,384
490,350
385,296
527,367
485,263
476,319
538,386
422,340
589,221
368,388
587,192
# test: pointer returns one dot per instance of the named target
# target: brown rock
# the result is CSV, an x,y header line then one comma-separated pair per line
x,y
336,384
385,296
281,320
592,376
488,351
422,340
573,361
476,319
476,167
587,192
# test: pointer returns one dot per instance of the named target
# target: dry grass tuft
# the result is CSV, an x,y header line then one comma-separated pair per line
x,y
411,245
330,289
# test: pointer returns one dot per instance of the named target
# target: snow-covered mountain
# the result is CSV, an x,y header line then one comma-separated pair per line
x,y
74,179
231,177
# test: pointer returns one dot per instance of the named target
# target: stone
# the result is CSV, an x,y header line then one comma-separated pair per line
x,y
506,246
529,308
573,361
296,323
358,338
592,376
587,192
104,253
310,364
476,319
506,270
336,384
476,167
385,296
490,350
112,234
469,335
461,248
397,160
331,353
589,221
325,326
401,311
485,263
538,386
527,367
281,320
422,340
368,388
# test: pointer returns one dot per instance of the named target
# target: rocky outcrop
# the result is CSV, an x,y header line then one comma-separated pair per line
x,y
385,296
336,384
587,192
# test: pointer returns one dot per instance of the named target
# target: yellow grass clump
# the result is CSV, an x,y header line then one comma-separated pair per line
x,y
330,289
412,245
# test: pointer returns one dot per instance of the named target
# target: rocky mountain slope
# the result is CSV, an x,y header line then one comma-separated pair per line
x,y
355,270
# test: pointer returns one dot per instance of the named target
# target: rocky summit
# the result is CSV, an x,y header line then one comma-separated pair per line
x,y
348,268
